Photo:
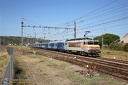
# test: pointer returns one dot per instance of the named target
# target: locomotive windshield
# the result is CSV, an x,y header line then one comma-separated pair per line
x,y
91,43
96,43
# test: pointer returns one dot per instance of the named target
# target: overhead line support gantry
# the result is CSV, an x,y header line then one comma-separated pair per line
x,y
22,26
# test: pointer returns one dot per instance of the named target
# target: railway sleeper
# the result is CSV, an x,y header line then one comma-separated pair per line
x,y
112,71
125,77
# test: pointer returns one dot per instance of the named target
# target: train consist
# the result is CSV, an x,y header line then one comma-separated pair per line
x,y
80,46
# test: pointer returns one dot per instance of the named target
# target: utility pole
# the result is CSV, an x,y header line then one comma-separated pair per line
x,y
0,40
22,25
28,39
102,42
35,37
74,29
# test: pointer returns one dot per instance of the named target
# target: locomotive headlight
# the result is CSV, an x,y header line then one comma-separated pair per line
x,y
87,66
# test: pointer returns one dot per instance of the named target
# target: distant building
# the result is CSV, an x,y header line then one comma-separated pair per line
x,y
125,40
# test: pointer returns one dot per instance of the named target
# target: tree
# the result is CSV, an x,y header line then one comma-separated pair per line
x,y
108,39
126,47
116,46
100,39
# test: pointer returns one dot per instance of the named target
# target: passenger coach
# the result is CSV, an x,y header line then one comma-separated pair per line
x,y
57,45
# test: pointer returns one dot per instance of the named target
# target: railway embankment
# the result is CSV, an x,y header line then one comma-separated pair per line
x,y
36,61
44,69
41,67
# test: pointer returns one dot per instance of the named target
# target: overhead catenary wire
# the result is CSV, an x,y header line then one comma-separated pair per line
x,y
98,29
98,15
107,27
111,10
104,22
104,12
101,20
107,22
94,11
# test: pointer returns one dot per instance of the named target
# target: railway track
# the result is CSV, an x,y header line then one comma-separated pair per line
x,y
114,67
115,60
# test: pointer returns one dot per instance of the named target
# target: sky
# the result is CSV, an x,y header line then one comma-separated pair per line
x,y
97,16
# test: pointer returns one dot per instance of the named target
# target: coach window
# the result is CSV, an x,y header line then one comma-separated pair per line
x,y
55,44
62,44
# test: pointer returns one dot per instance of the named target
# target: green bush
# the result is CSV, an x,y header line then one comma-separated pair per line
x,y
116,46
126,47
19,72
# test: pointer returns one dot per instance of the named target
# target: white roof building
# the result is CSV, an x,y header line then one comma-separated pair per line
x,y
125,39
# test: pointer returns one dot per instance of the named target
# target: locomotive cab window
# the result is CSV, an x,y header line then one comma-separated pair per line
x,y
85,43
90,43
96,43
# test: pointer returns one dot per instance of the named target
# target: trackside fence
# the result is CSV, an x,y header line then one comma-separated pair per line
x,y
9,71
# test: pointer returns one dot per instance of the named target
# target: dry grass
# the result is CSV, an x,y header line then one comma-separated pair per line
x,y
4,59
23,48
47,71
117,54
105,53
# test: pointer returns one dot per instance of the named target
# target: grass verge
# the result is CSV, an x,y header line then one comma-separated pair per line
x,y
117,54
19,72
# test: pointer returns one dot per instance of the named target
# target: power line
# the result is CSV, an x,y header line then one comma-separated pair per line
x,y
103,23
94,13
96,10
119,19
108,27
108,22
112,9
103,19
101,11
22,26
107,13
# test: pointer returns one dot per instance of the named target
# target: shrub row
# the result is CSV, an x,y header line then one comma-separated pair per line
x,y
119,46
